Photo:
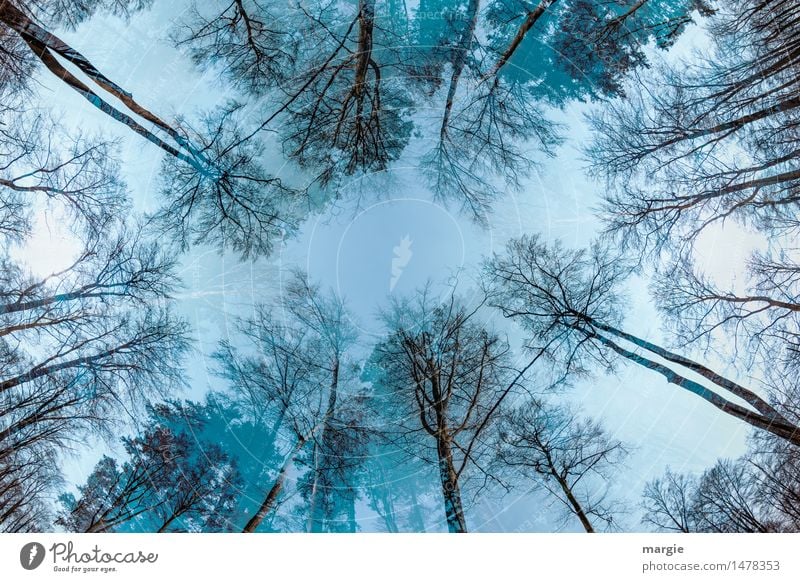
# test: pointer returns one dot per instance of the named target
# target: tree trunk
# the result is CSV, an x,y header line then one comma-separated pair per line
x,y
317,509
748,396
272,496
452,495
460,60
389,519
46,45
167,523
350,500
385,504
782,429
366,20
574,504
98,526
729,127
43,370
524,28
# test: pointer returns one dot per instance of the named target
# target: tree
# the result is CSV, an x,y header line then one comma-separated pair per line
x,y
717,141
78,341
224,194
334,335
570,302
443,379
589,45
334,468
572,458
399,487
279,388
728,498
44,46
327,72
762,318
170,482
77,345
295,377
757,492
667,503
43,166
340,77
27,478
233,204
345,113
16,64
247,39
488,126
480,132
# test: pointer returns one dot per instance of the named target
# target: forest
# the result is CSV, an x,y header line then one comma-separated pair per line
x,y
399,265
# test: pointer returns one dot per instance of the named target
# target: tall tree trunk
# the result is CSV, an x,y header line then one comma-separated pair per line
x,y
272,496
460,60
782,429
733,125
748,396
523,30
40,370
574,503
385,504
313,498
388,513
318,501
366,22
46,45
453,508
350,500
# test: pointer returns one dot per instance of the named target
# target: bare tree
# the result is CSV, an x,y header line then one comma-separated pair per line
x,y
573,458
482,128
234,204
489,125
716,141
295,378
761,318
79,344
444,378
345,113
224,194
25,21
725,499
333,335
570,301
279,386
27,479
335,467
42,165
667,503
251,40
758,492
